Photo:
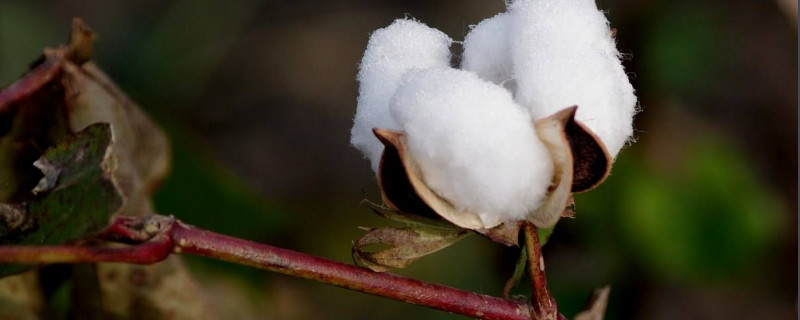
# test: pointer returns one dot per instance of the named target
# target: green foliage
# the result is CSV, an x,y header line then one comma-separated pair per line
x,y
683,50
712,221
706,218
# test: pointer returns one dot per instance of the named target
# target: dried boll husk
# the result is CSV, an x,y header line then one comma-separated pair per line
x,y
580,159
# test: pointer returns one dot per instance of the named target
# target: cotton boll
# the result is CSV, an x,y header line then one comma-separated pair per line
x,y
486,51
475,147
564,55
391,52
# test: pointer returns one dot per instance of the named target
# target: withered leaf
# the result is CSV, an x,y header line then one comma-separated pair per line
x,y
400,246
62,94
20,297
66,93
32,118
81,201
164,290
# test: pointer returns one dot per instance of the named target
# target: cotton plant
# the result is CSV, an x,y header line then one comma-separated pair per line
x,y
539,108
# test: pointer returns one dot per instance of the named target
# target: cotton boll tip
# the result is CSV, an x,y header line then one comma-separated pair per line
x,y
564,54
391,52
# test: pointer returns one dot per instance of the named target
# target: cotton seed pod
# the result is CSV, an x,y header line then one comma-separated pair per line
x,y
580,159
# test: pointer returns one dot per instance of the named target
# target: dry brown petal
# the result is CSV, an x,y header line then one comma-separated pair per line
x,y
580,162
591,160
551,132
402,188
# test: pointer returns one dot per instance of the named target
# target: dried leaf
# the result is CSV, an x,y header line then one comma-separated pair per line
x,y
402,246
13,217
81,42
62,94
32,118
66,93
82,200
159,291
140,146
20,297
596,308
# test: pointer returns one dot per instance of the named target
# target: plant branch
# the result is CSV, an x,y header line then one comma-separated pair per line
x,y
543,304
159,236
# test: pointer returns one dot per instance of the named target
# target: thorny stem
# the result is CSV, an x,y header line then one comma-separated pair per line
x,y
158,236
543,304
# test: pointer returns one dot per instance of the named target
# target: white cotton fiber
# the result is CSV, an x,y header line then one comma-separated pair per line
x,y
564,55
391,52
475,146
487,53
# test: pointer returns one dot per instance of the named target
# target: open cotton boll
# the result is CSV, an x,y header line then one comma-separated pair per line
x,y
475,147
564,55
486,51
391,51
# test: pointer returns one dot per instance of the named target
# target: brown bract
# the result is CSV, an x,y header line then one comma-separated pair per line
x,y
580,161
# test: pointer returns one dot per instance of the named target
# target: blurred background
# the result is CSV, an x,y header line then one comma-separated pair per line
x,y
697,221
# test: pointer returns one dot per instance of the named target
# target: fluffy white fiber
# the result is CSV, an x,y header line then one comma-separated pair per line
x,y
474,145
487,53
391,52
472,138
564,55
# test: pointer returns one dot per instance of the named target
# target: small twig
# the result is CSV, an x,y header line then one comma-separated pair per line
x,y
145,253
177,237
543,304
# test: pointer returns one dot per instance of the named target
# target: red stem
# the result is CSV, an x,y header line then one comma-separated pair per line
x,y
543,304
145,253
33,80
177,237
